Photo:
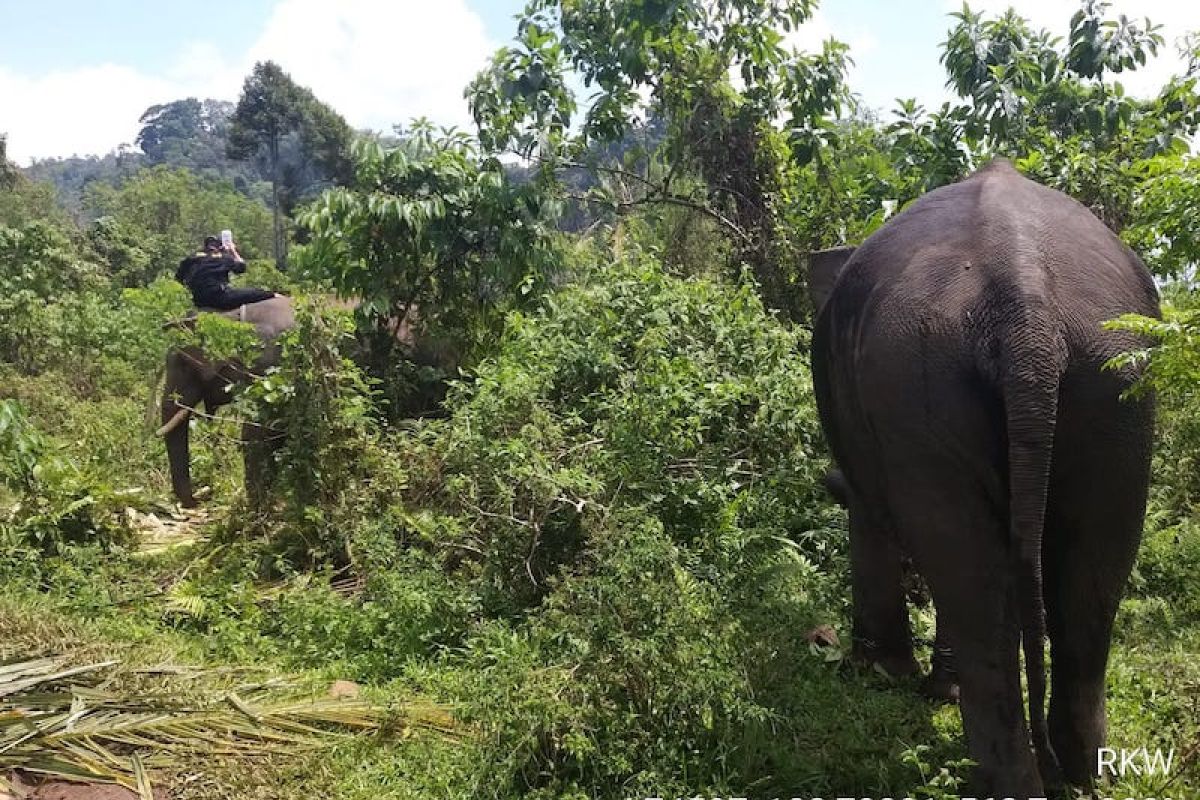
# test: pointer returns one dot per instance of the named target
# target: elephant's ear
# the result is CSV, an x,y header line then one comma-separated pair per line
x,y
823,268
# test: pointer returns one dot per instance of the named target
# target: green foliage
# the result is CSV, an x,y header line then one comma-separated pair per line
x,y
220,338
638,390
192,134
1173,364
41,264
1058,113
21,446
1168,572
1165,229
54,506
271,107
430,225
299,141
162,214
607,552
679,56
23,200
404,613
330,464
631,489
1171,368
626,46
927,147
71,177
943,783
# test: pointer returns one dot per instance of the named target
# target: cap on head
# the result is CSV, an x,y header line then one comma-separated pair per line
x,y
212,243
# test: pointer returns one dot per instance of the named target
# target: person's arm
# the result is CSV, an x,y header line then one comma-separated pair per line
x,y
237,263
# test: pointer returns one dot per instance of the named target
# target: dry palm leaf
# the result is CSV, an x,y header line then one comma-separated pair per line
x,y
54,723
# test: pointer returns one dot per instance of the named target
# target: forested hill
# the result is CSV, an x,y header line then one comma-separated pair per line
x,y
188,134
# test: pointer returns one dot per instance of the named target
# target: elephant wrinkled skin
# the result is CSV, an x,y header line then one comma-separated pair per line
x,y
958,365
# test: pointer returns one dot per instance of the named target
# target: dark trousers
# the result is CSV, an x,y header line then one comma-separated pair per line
x,y
227,298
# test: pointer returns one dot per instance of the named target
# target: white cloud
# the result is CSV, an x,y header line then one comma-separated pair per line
x,y
1175,17
811,36
81,111
378,62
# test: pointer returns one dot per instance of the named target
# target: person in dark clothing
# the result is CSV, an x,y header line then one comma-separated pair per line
x,y
206,274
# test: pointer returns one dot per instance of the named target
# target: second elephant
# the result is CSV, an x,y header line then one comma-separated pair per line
x,y
958,361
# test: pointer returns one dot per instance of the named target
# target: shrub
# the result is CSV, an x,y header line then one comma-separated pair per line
x,y
630,486
635,390
330,462
54,506
1172,371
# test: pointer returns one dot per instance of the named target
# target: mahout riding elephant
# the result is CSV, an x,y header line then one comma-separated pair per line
x,y
193,379
958,360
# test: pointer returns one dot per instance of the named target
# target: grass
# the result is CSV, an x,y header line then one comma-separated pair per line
x,y
838,729
532,692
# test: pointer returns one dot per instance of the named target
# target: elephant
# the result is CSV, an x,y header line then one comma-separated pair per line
x,y
958,361
192,378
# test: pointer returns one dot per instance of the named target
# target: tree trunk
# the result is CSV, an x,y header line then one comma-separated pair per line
x,y
276,217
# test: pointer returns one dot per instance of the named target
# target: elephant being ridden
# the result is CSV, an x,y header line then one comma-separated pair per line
x,y
958,362
193,379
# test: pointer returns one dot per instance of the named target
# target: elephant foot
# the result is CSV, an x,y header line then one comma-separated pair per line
x,y
188,502
897,663
940,688
941,684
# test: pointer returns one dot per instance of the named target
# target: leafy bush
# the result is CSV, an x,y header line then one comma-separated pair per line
x,y
1172,370
317,406
404,614
41,264
54,506
433,224
634,390
631,488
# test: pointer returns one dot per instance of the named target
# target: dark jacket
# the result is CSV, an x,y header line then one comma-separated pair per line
x,y
204,273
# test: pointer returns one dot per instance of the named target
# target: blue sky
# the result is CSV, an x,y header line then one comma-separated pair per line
x,y
75,76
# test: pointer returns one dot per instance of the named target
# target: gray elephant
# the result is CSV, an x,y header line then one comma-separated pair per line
x,y
193,379
958,366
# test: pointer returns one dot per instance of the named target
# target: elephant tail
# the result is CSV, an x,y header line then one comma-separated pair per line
x,y
1036,356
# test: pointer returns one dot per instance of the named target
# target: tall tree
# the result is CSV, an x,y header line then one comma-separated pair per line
x,y
1059,110
192,133
293,134
8,172
720,130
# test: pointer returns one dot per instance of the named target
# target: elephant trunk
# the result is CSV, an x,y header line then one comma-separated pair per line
x,y
180,395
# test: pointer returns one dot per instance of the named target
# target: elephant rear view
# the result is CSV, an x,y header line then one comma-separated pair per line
x,y
958,363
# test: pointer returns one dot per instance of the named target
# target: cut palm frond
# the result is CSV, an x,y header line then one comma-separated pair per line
x,y
53,723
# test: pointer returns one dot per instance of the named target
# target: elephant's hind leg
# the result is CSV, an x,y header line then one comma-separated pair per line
x,y
881,631
961,546
1094,523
